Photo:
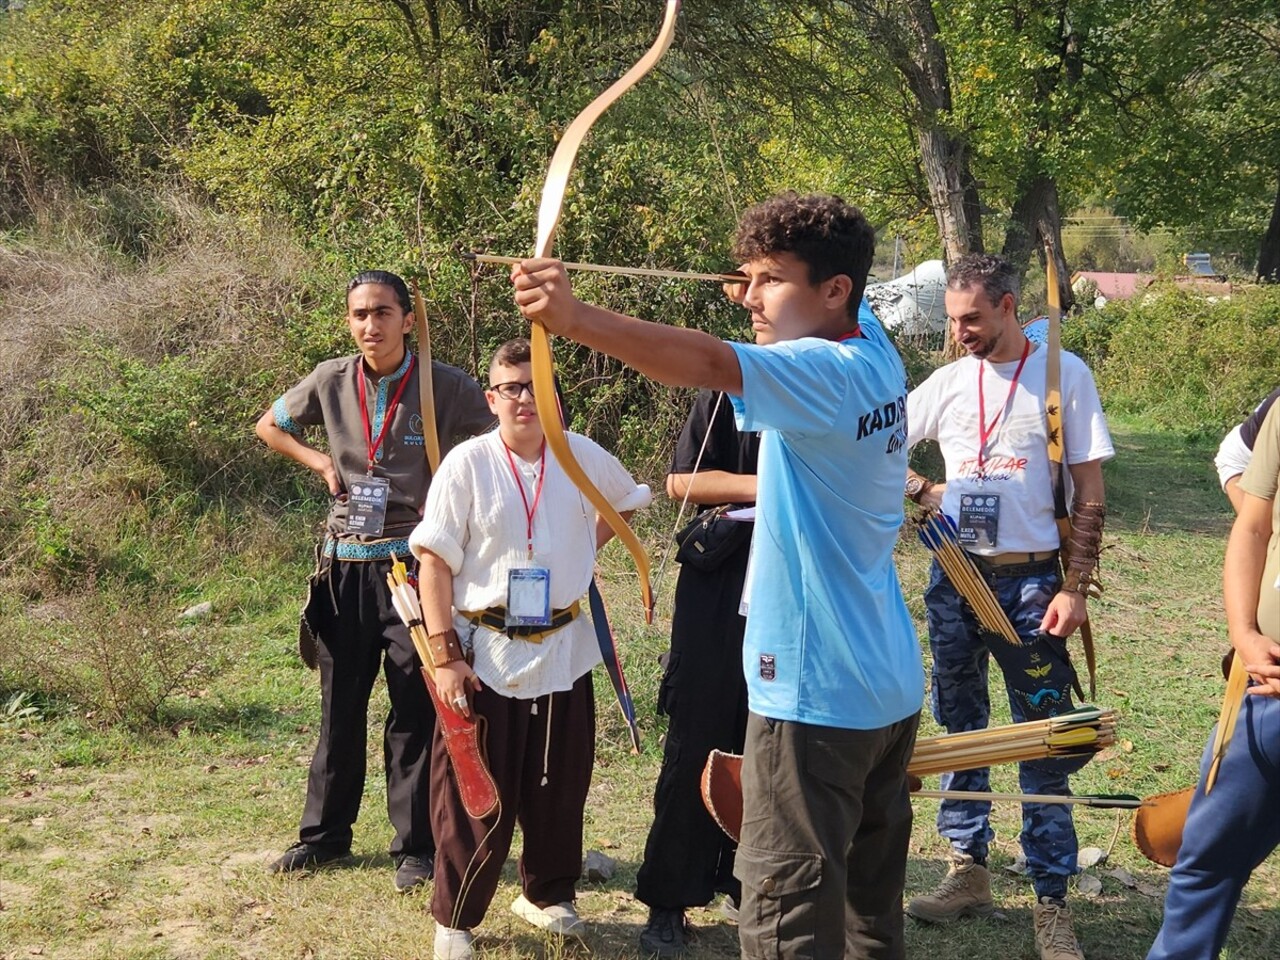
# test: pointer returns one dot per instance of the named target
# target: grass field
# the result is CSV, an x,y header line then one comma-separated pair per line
x,y
119,843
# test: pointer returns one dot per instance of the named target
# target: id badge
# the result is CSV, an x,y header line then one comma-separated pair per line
x,y
979,520
367,506
529,597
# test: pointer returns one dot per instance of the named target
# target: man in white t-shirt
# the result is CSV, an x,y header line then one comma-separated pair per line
x,y
987,413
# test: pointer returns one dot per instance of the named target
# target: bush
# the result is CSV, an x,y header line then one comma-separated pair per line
x,y
111,647
1182,360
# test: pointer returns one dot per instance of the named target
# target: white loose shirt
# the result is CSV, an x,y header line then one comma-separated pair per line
x,y
1016,462
475,521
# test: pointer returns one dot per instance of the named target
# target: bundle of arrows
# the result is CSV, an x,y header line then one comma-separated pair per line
x,y
938,532
1083,730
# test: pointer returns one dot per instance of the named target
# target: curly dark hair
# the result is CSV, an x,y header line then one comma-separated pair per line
x,y
995,275
832,237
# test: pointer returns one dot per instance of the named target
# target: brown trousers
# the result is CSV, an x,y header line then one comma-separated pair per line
x,y
823,856
469,857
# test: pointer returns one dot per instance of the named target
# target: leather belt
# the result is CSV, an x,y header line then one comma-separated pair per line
x,y
495,618
1023,564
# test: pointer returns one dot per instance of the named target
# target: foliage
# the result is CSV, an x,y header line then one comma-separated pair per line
x,y
18,709
1200,150
1182,360
112,648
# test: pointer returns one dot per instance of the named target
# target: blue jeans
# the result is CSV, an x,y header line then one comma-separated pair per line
x,y
1228,833
1038,679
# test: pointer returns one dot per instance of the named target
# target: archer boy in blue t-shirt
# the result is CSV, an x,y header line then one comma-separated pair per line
x,y
833,670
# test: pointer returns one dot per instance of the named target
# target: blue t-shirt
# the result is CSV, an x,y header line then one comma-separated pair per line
x,y
829,640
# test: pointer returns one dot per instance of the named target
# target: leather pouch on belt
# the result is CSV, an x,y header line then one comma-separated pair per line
x,y
314,614
463,739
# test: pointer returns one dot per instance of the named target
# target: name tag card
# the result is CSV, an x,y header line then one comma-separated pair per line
x,y
367,506
979,521
529,597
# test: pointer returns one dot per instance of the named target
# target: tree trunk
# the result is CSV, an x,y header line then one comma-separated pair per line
x,y
1035,222
1269,253
945,162
907,32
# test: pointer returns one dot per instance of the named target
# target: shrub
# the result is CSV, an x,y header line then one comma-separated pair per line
x,y
1182,360
110,647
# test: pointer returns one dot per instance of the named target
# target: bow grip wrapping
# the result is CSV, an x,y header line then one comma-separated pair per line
x,y
464,743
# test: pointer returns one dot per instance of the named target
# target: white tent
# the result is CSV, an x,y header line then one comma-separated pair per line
x,y
913,303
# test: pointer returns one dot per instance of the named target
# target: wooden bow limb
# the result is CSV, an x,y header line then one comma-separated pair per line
x,y
1237,681
540,342
1057,445
622,271
426,383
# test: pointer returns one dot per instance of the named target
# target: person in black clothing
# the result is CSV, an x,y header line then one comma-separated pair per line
x,y
373,464
687,858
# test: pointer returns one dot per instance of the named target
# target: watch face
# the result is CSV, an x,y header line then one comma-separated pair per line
x,y
914,486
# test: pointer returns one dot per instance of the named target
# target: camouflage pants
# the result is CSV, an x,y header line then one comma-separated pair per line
x,y
1038,678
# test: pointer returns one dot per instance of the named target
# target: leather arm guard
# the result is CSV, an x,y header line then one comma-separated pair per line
x,y
444,647
1080,562
463,739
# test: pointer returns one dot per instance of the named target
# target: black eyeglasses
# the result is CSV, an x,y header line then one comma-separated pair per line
x,y
512,390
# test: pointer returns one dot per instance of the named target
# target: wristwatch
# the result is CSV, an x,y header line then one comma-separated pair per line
x,y
914,488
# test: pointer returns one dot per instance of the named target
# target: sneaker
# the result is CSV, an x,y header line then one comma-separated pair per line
x,y
413,872
560,919
1055,938
305,856
452,944
729,907
666,934
964,892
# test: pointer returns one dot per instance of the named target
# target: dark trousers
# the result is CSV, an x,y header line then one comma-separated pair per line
x,y
544,790
358,630
688,858
825,828
1038,677
1227,835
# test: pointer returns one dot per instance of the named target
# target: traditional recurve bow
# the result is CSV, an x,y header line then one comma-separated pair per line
x,y
543,363
1057,443
426,383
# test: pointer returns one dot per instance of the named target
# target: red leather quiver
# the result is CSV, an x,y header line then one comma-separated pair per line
x,y
463,739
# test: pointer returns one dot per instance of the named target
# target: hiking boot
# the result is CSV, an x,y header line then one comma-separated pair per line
x,y
451,944
1055,939
560,919
964,892
666,934
306,856
413,872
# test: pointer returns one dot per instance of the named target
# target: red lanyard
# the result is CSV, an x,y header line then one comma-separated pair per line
x,y
529,511
985,431
371,443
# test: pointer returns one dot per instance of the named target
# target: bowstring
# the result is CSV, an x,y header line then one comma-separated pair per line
x,y
688,490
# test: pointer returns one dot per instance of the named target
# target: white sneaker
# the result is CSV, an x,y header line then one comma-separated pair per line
x,y
560,919
452,944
